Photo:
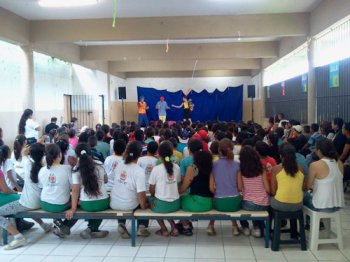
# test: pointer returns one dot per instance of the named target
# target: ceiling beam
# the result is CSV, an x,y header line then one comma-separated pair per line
x,y
185,51
261,25
13,28
183,65
202,73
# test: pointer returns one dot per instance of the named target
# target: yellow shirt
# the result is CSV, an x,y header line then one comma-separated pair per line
x,y
178,155
289,189
186,106
142,107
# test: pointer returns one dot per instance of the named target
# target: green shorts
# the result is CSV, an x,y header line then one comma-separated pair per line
x,y
53,207
160,206
8,198
195,203
95,205
227,204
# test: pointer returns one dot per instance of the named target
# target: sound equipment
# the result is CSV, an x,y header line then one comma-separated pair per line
x,y
251,91
122,92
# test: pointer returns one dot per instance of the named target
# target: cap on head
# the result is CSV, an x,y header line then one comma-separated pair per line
x,y
203,134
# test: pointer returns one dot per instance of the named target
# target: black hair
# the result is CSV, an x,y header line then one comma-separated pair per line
x,y
315,127
133,152
306,129
119,146
346,126
149,132
92,141
18,146
22,122
52,151
100,134
83,137
1,142
280,132
289,162
87,168
250,162
338,122
105,128
139,135
54,119
203,160
71,133
262,148
36,152
194,145
214,147
4,153
173,141
165,151
241,137
327,148
63,145
152,147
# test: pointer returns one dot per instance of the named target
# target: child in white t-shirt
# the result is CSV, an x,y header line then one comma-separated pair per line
x,y
112,161
56,180
88,180
29,199
164,182
149,161
129,189
8,169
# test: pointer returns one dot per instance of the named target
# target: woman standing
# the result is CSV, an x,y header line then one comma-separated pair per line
x,y
28,127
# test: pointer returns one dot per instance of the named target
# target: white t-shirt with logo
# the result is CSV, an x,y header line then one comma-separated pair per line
x,y
56,184
8,170
29,129
166,186
147,163
30,196
76,180
110,165
128,181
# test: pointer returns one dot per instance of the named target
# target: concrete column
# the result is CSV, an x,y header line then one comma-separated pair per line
x,y
311,85
27,79
109,99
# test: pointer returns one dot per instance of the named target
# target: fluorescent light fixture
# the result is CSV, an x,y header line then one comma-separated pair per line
x,y
67,3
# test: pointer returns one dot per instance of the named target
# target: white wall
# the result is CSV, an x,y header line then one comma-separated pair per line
x,y
185,84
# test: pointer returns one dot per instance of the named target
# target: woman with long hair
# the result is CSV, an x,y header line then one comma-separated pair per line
x,y
255,188
29,199
287,182
88,182
56,180
164,180
28,127
325,180
129,189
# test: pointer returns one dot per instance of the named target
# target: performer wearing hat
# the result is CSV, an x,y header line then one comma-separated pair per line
x,y
187,105
162,106
142,107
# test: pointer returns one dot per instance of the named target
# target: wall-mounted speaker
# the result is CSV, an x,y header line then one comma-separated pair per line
x,y
251,91
122,92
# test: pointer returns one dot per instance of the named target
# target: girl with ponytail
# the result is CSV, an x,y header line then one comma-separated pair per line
x,y
287,182
28,127
129,189
16,157
30,197
164,191
56,180
88,181
223,184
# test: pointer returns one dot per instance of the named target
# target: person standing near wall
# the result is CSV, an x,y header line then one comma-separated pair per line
x,y
187,105
52,125
28,127
162,106
142,107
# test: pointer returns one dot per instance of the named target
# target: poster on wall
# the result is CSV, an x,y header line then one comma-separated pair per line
x,y
304,83
334,75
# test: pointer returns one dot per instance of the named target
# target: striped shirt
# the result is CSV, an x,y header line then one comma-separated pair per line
x,y
254,191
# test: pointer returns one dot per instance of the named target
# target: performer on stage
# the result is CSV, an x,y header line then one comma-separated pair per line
x,y
142,107
162,106
187,105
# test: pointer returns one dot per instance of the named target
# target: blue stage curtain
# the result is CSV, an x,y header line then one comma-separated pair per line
x,y
223,106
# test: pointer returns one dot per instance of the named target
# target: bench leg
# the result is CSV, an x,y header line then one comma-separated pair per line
x,y
267,232
4,237
133,232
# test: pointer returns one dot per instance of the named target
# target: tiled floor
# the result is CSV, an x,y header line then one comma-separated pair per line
x,y
199,247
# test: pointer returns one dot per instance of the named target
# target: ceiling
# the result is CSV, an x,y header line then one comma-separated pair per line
x,y
31,10
154,36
